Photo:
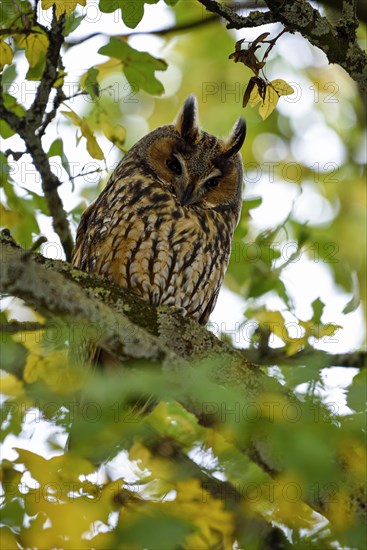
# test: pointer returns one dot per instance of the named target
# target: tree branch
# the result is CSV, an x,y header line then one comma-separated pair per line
x,y
338,42
63,293
36,280
184,27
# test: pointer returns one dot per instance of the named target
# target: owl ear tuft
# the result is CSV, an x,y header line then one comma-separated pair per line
x,y
187,119
236,138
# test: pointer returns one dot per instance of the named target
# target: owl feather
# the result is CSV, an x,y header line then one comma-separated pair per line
x,y
163,225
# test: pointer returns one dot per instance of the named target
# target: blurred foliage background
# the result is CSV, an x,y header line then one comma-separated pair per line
x,y
296,280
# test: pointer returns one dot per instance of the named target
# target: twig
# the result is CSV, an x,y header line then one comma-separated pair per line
x,y
160,32
13,327
15,154
37,243
269,356
83,174
58,100
8,32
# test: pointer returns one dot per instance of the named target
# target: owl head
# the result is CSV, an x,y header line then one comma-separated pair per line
x,y
199,169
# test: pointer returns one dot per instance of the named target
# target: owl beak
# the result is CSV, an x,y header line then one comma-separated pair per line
x,y
186,196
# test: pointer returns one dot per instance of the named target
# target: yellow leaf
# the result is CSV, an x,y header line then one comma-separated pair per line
x,y
283,498
92,146
31,368
295,345
212,521
32,339
269,102
35,44
6,54
354,456
269,99
281,87
8,539
116,134
159,467
273,321
73,116
110,66
53,369
62,6
340,512
254,97
172,420
317,330
10,385
60,79
9,218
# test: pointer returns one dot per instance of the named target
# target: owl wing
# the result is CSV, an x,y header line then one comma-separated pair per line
x,y
77,257
85,352
203,319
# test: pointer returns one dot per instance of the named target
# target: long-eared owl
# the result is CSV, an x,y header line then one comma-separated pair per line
x,y
163,225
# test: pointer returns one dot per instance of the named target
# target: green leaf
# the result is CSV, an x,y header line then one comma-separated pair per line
x,y
139,67
6,54
8,77
4,169
72,22
35,72
357,393
281,289
38,201
318,308
305,373
89,82
10,103
12,512
171,2
354,302
62,7
57,150
251,204
36,45
5,130
131,11
13,356
24,208
166,530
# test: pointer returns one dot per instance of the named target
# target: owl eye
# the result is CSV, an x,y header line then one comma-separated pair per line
x,y
174,165
212,182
